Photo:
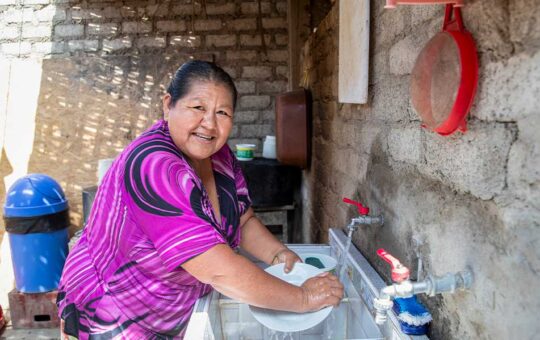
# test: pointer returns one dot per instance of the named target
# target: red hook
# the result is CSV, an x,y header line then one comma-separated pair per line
x,y
400,273
362,210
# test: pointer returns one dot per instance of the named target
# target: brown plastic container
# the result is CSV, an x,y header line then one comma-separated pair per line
x,y
293,128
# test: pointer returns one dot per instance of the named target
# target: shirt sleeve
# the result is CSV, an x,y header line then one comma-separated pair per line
x,y
165,198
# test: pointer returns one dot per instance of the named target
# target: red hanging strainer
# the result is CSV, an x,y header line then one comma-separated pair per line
x,y
445,77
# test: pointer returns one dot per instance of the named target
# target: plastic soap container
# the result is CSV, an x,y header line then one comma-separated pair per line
x,y
269,147
244,152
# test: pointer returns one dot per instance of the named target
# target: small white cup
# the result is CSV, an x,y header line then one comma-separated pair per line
x,y
269,147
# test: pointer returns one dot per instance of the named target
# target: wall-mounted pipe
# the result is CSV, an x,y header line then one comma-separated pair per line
x,y
394,3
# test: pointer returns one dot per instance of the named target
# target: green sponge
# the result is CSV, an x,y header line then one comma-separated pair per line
x,y
315,262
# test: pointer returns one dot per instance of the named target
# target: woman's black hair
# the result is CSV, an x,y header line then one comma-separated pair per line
x,y
198,70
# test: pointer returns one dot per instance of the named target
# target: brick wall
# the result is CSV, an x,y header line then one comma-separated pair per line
x,y
116,57
469,200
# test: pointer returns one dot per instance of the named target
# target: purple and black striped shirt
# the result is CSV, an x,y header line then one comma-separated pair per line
x,y
124,278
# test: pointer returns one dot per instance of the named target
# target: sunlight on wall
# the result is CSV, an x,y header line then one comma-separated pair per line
x,y
19,93
19,117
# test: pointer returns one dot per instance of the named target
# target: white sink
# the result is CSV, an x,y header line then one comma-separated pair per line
x,y
216,317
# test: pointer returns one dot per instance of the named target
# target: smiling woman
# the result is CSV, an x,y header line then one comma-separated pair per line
x,y
165,222
200,122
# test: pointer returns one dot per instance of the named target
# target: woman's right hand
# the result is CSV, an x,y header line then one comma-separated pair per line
x,y
321,291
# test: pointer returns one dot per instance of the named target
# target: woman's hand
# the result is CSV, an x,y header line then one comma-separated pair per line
x,y
321,291
286,256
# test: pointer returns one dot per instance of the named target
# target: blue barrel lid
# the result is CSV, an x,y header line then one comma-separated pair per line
x,y
34,195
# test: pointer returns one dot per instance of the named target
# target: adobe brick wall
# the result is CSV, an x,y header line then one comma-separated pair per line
x,y
106,63
471,200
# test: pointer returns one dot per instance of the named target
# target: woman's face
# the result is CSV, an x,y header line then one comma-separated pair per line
x,y
201,121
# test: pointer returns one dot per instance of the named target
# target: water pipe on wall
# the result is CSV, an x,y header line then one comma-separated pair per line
x,y
362,218
394,3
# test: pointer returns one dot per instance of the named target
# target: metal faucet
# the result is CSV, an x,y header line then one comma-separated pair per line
x,y
363,217
404,288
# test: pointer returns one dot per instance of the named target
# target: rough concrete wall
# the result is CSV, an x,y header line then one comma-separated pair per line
x,y
106,64
464,200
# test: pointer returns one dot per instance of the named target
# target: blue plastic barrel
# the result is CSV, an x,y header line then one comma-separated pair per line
x,y
37,220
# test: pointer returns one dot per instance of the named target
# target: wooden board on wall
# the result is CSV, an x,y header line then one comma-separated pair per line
x,y
353,51
298,21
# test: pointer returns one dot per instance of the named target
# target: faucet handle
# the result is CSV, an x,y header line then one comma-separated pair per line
x,y
400,273
362,210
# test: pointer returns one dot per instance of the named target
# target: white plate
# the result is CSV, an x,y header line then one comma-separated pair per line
x,y
288,321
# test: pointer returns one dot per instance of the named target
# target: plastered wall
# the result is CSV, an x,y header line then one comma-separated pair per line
x,y
469,200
